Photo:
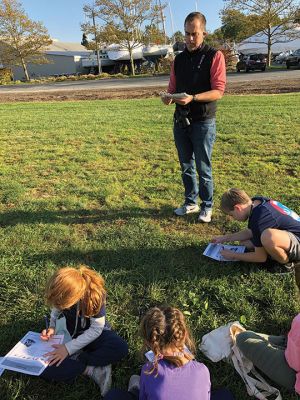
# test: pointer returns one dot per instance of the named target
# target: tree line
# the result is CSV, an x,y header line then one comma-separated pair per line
x,y
129,23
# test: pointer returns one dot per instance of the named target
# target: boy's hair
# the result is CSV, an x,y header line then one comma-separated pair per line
x,y
68,286
196,15
162,327
232,197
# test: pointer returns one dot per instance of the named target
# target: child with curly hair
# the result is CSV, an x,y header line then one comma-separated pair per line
x,y
79,295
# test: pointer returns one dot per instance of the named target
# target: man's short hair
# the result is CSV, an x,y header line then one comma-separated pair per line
x,y
196,15
232,197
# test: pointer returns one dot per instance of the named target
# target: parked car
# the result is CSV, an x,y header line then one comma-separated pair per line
x,y
293,59
252,62
281,58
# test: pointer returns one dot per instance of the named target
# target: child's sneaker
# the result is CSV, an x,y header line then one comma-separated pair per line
x,y
205,216
186,209
101,376
134,383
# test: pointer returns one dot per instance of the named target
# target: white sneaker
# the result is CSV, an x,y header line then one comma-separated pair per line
x,y
205,216
134,383
102,376
186,209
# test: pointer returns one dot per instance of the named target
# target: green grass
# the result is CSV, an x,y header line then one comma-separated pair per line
x,y
95,182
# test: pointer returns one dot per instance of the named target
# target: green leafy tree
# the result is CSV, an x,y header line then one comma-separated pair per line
x,y
23,41
178,36
275,18
152,34
126,18
237,26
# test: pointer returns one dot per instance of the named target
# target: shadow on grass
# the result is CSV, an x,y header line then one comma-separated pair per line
x,y
70,217
148,264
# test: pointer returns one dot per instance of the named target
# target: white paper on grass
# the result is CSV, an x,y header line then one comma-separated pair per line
x,y
213,250
27,356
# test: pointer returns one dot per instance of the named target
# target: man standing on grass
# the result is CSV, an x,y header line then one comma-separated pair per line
x,y
200,72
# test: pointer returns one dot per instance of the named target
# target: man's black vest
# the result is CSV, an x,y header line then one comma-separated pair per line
x,y
192,72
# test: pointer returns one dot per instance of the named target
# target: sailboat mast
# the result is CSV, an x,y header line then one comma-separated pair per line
x,y
172,21
162,20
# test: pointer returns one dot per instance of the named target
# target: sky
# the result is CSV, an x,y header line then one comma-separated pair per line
x,y
62,18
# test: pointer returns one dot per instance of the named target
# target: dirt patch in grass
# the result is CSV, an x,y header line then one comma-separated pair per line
x,y
263,87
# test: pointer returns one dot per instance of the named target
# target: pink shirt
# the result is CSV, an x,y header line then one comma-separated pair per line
x,y
292,352
217,74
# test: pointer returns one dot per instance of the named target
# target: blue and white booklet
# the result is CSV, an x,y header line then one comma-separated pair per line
x,y
28,355
213,250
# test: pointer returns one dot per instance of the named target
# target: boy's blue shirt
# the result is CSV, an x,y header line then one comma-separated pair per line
x,y
272,214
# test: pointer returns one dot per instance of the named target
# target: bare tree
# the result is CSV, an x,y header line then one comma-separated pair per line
x,y
126,17
22,40
92,28
276,19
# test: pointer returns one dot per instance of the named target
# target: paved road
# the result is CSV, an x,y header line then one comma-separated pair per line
x,y
141,82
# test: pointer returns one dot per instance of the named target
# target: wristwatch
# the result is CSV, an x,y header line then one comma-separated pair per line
x,y
194,97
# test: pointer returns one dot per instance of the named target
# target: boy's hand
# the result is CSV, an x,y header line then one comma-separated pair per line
x,y
228,254
219,239
47,334
58,355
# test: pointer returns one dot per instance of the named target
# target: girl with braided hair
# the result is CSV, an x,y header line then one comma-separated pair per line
x,y
171,373
79,295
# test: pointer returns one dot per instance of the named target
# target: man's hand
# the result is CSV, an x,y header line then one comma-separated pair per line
x,y
58,355
166,100
47,334
185,100
228,254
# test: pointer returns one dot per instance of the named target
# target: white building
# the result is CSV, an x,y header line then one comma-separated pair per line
x,y
258,43
63,57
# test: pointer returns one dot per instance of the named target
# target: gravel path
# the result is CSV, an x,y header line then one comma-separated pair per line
x,y
240,88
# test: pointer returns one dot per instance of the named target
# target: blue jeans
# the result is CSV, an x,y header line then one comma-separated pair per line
x,y
194,146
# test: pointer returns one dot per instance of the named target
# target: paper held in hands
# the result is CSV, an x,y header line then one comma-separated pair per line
x,y
27,356
174,96
213,250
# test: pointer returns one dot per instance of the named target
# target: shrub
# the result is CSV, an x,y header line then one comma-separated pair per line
x,y
104,75
91,76
61,78
5,76
230,59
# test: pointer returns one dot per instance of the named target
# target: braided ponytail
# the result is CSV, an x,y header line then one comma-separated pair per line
x,y
163,328
94,294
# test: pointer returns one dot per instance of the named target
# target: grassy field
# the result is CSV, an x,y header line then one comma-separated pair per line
x,y
96,182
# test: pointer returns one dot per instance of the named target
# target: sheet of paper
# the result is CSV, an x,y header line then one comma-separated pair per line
x,y
213,250
174,95
150,355
27,356
1,369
